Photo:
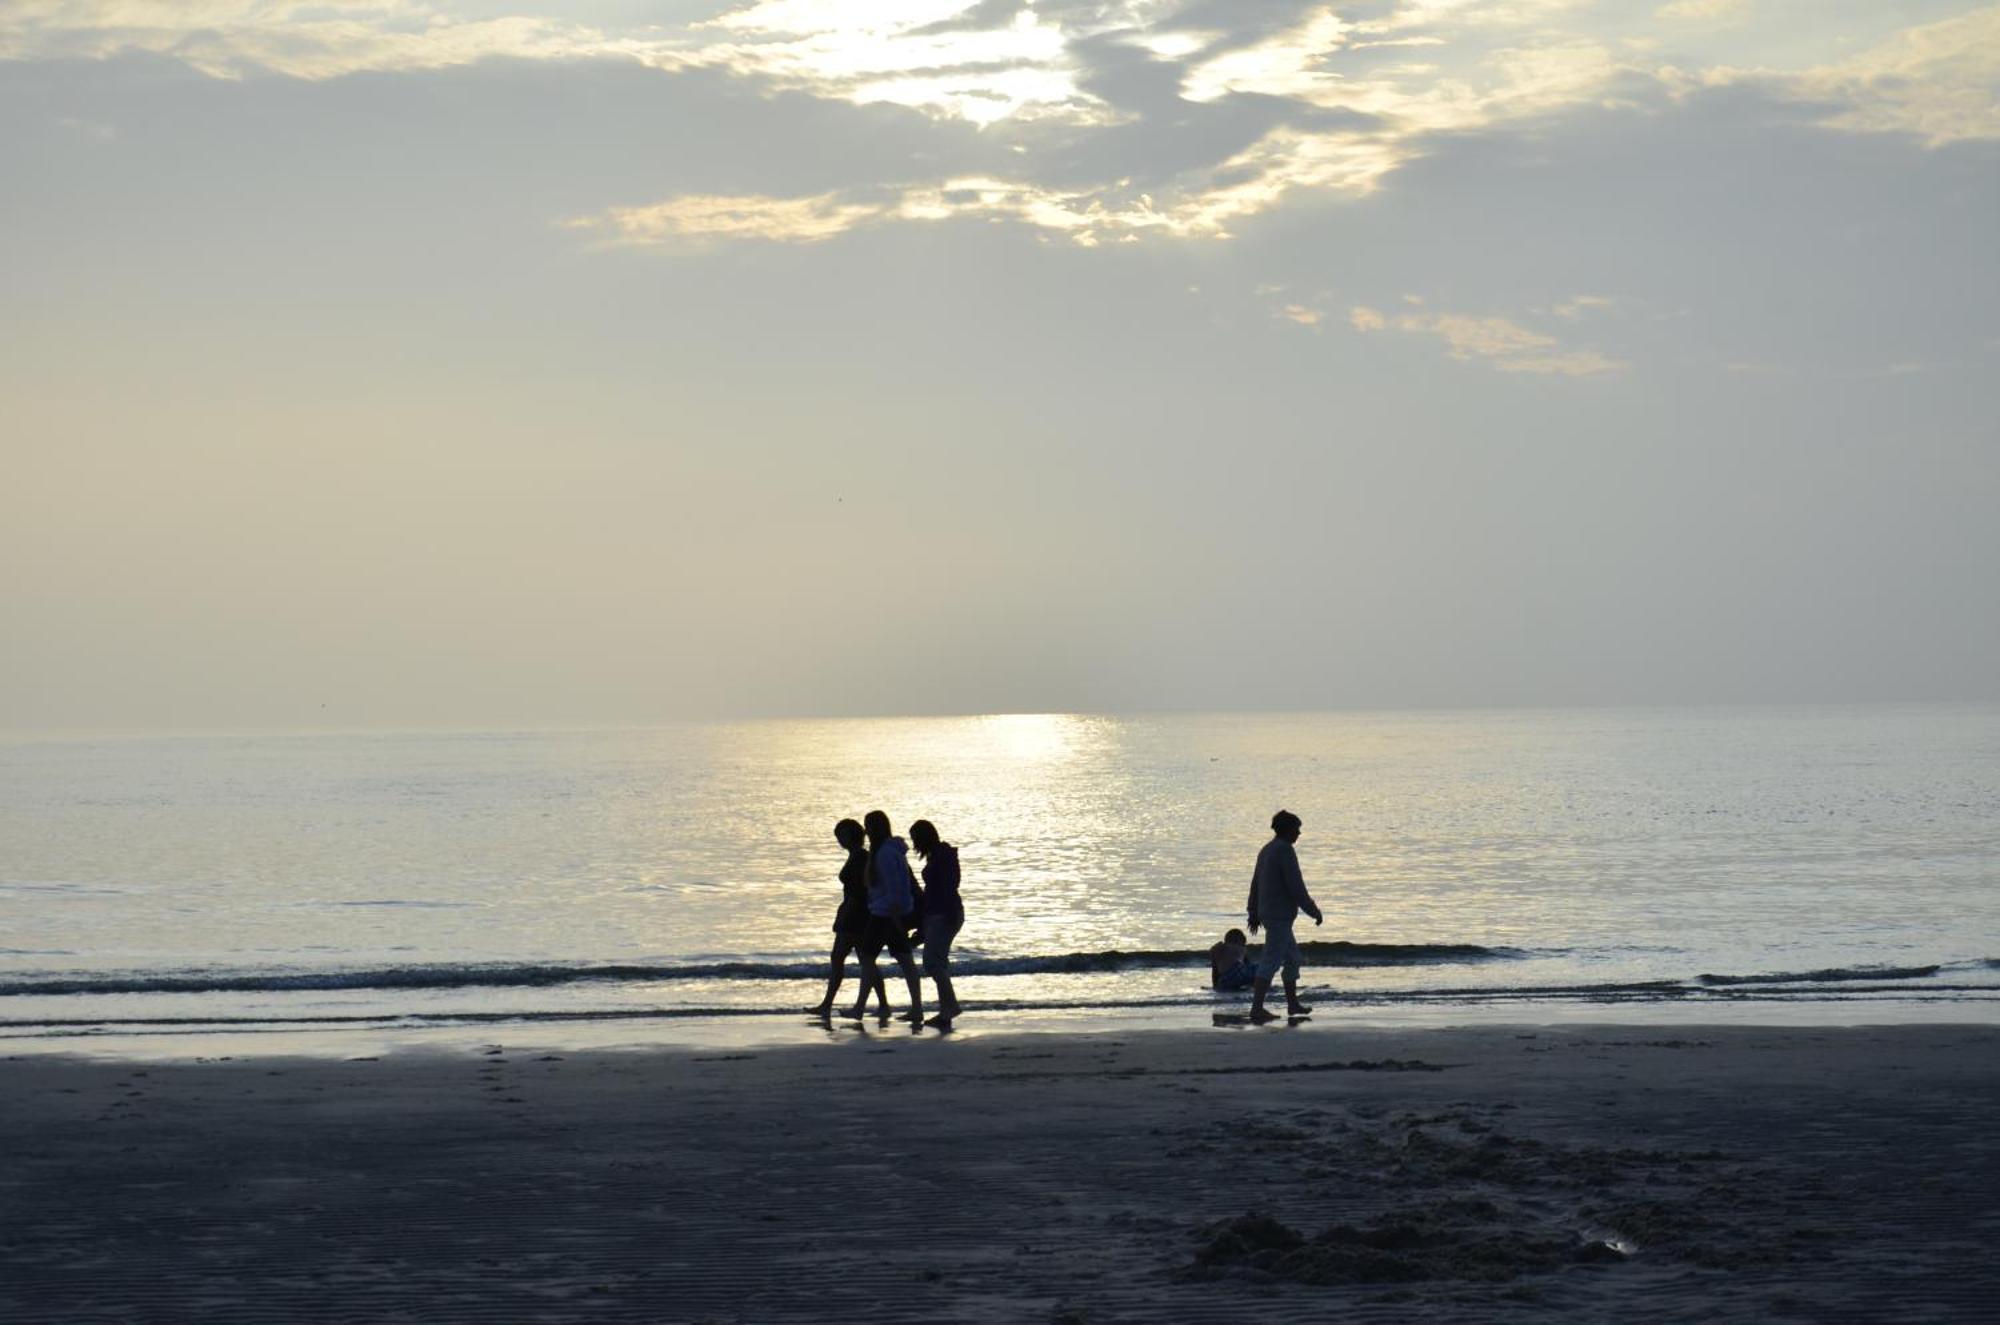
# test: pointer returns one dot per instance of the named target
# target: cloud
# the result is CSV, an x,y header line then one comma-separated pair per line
x,y
788,220
1702,11
95,130
328,39
889,51
1471,85
809,220
1468,78
1200,204
949,57
1580,304
1940,82
1291,63
1469,14
1505,344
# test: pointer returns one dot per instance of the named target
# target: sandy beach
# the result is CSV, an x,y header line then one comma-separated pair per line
x,y
1579,1173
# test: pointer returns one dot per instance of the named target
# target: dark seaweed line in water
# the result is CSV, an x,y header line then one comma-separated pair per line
x,y
1824,976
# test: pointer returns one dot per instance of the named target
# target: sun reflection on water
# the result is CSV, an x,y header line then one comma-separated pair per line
x,y
1088,833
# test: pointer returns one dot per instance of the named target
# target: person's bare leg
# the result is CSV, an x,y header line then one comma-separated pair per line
x,y
947,1000
948,994
916,983
937,965
1258,993
1292,1005
835,973
871,979
881,994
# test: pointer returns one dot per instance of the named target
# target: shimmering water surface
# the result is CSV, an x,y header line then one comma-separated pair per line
x,y
1527,859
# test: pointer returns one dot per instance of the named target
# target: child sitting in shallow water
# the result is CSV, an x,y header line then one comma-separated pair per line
x,y
1229,964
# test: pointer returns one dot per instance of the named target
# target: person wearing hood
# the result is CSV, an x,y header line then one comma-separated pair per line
x,y
892,899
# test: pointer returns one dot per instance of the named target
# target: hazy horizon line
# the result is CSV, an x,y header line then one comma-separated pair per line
x,y
555,727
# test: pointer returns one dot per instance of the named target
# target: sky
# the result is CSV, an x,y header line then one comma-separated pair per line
x,y
505,362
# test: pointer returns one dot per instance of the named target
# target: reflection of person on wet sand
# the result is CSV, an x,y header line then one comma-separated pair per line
x,y
851,919
1277,895
892,896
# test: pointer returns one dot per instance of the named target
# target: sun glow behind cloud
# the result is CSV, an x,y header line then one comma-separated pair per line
x,y
925,54
1450,64
1355,92
1425,70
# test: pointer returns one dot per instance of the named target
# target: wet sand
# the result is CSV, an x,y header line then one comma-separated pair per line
x,y
1586,1173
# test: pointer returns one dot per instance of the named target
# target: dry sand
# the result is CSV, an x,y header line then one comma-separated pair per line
x,y
1529,1174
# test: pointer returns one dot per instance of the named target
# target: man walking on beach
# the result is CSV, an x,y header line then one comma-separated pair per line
x,y
1277,895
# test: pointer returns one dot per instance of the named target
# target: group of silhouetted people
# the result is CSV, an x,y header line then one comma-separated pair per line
x,y
883,906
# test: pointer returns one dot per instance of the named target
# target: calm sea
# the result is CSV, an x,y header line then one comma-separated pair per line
x,y
1541,864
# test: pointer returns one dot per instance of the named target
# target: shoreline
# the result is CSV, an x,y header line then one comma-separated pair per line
x,y
1729,1172
667,1030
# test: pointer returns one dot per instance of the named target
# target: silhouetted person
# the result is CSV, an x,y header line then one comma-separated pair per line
x,y
892,897
1277,895
1229,964
943,914
851,918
